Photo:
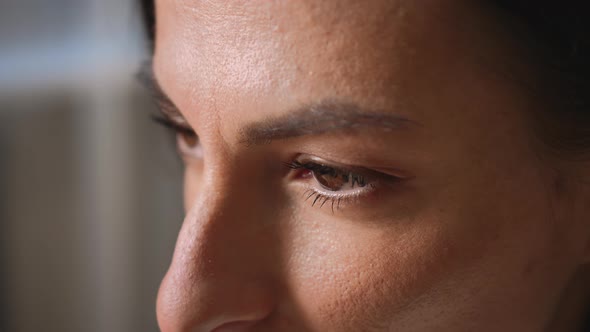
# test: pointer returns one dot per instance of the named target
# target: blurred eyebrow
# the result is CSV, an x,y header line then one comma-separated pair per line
x,y
146,77
321,118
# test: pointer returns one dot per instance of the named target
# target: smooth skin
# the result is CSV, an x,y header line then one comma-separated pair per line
x,y
461,223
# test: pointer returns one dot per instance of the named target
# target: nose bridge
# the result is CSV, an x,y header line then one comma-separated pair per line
x,y
217,234
220,272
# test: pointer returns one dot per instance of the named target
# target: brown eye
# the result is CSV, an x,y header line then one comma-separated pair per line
x,y
332,182
328,177
189,144
190,139
337,180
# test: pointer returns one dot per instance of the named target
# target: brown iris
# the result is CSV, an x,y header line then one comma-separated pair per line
x,y
336,180
190,139
330,178
330,181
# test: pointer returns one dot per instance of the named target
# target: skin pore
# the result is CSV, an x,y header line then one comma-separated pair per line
x,y
362,166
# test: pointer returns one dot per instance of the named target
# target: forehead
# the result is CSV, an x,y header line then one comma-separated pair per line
x,y
255,53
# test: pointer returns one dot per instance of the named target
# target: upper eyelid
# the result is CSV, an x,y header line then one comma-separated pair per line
x,y
170,112
314,166
366,175
178,127
340,168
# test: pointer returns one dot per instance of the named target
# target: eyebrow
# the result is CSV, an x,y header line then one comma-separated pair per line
x,y
326,116
146,77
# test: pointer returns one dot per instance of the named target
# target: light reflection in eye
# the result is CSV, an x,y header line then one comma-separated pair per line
x,y
333,185
330,178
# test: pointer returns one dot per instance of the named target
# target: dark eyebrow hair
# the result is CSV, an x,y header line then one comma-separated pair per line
x,y
146,77
320,118
313,119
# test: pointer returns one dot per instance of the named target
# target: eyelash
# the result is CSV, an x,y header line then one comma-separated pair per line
x,y
187,140
176,127
325,169
318,197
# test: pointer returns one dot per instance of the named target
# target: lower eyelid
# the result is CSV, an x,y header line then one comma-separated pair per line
x,y
186,150
341,200
357,192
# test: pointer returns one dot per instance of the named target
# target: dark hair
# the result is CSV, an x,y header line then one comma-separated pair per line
x,y
558,38
149,18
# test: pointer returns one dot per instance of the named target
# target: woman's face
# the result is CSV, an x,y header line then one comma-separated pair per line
x,y
361,166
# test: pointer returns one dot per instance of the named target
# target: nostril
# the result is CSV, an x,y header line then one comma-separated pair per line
x,y
240,326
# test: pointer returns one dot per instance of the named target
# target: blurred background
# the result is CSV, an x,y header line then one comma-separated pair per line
x,y
90,188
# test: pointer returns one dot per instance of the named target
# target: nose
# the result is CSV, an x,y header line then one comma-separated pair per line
x,y
220,278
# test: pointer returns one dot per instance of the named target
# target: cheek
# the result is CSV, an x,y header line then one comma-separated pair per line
x,y
349,278
445,260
